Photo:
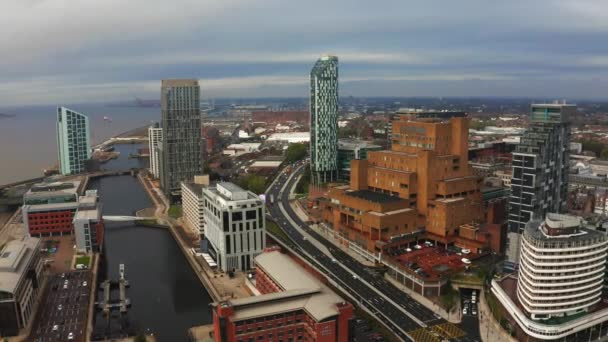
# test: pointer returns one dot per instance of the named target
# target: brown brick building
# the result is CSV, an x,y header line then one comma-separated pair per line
x,y
423,183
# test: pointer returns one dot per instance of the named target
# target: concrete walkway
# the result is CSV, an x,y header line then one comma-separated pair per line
x,y
489,329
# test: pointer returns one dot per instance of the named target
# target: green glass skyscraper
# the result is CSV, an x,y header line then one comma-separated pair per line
x,y
324,120
73,141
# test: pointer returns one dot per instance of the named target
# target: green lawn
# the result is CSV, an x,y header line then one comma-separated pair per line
x,y
274,229
175,211
85,260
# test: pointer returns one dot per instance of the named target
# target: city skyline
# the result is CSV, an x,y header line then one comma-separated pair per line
x,y
543,49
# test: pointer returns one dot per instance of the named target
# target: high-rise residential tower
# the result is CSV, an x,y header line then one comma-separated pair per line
x,y
540,171
324,120
73,141
155,136
181,148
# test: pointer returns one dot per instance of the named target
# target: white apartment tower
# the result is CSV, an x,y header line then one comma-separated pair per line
x,y
155,136
234,226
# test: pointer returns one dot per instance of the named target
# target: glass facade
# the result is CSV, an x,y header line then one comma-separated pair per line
x,y
73,141
181,148
324,120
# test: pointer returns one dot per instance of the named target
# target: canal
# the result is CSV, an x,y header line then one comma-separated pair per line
x,y
166,296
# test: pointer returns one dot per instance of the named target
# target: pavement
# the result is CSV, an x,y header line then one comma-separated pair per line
x,y
13,228
395,309
64,308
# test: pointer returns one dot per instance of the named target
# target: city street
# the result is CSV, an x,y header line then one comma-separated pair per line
x,y
393,307
63,315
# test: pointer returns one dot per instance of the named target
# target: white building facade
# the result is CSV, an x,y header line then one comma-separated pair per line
x,y
155,137
193,208
88,224
235,226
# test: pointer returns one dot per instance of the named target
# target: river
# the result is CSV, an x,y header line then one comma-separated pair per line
x,y
167,298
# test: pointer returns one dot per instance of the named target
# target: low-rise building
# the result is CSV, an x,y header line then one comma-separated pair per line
x,y
234,226
21,279
49,208
88,224
292,306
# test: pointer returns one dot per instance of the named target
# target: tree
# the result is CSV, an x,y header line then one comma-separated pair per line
x,y
604,154
295,152
253,183
302,186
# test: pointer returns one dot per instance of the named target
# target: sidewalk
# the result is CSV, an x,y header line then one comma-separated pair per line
x,y
489,329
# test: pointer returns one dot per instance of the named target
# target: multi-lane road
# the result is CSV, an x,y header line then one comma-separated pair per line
x,y
398,311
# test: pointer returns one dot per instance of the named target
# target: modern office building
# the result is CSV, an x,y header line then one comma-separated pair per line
x,y
291,305
561,277
155,136
351,149
182,145
88,224
21,273
234,226
73,141
49,208
539,183
424,183
193,204
324,120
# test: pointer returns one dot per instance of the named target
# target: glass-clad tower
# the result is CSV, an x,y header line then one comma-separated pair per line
x,y
73,141
181,147
324,120
540,172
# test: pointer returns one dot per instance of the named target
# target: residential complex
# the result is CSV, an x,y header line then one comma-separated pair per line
x,y
350,149
423,183
561,277
21,273
324,120
73,141
88,224
155,137
234,226
193,204
49,208
290,305
539,182
181,152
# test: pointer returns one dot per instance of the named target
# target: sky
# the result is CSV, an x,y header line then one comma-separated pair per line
x,y
78,51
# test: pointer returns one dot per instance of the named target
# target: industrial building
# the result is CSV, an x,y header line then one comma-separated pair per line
x,y
181,150
234,226
424,183
88,224
73,141
291,305
21,278
539,182
324,120
561,277
155,137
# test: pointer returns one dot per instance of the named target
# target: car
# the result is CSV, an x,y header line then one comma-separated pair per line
x,y
466,251
59,307
65,286
55,327
84,283
332,260
71,336
62,275
464,311
474,311
408,250
418,247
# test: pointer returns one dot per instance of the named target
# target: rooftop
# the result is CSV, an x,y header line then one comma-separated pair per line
x,y
373,196
301,291
14,260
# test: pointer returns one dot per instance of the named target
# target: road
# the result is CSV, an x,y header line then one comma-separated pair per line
x,y
401,313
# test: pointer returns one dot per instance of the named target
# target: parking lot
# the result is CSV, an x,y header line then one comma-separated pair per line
x,y
469,301
63,314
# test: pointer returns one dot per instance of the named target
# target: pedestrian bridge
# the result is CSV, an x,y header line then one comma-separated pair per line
x,y
112,218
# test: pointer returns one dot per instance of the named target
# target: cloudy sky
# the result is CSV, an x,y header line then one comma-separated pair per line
x,y
66,51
